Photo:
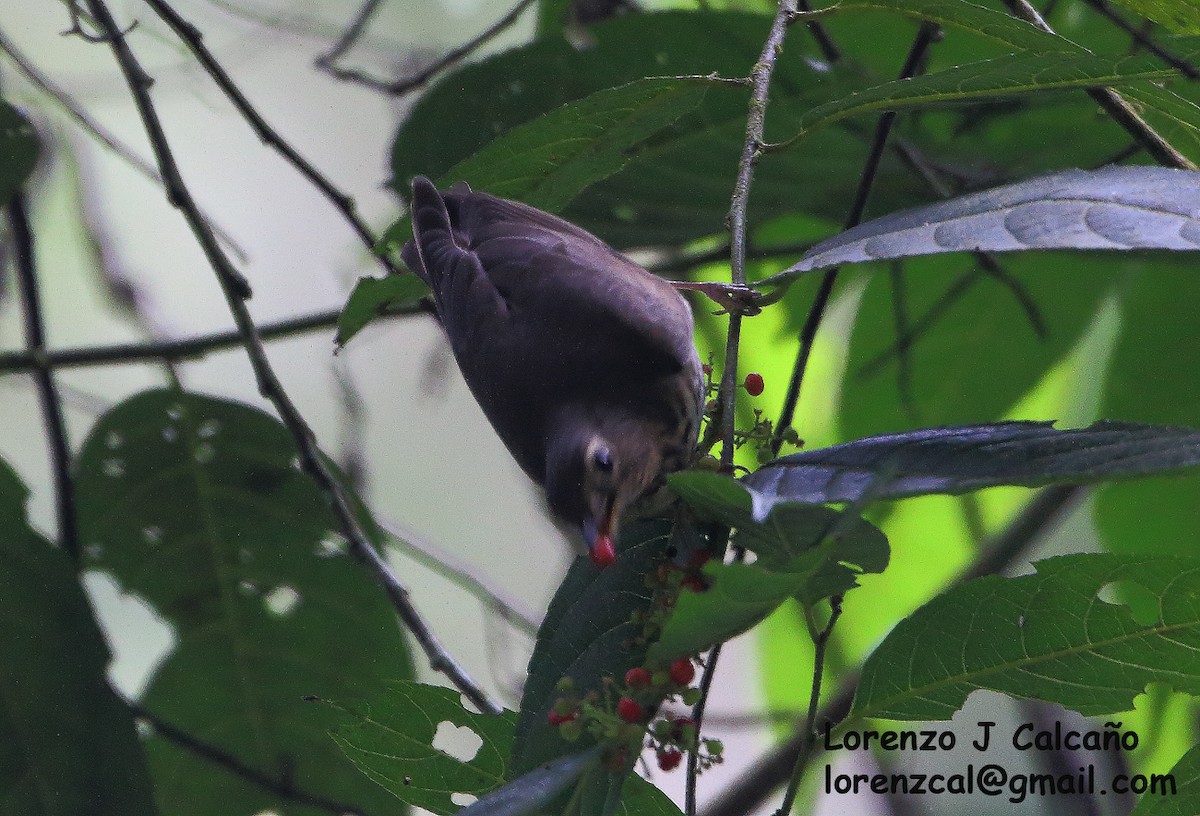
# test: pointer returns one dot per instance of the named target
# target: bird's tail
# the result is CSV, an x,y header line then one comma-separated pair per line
x,y
433,232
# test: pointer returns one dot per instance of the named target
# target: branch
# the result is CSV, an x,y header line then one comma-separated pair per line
x,y
98,132
350,36
926,36
51,402
760,79
236,291
402,86
1039,516
174,350
1115,105
693,763
282,788
193,39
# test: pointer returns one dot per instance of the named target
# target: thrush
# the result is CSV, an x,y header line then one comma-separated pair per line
x,y
582,360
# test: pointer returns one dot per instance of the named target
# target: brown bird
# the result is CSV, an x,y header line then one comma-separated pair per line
x,y
582,361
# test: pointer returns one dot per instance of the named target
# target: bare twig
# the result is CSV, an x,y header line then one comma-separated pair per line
x,y
98,132
693,763
350,36
820,644
51,402
928,34
424,552
760,78
402,86
1115,105
235,289
174,350
283,787
193,39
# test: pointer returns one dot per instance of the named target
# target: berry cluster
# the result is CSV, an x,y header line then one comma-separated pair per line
x,y
622,717
760,434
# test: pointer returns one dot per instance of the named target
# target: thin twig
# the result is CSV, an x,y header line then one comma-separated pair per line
x,y
751,151
402,86
926,36
824,42
350,36
175,350
1142,39
99,133
1040,516
820,643
283,788
193,39
424,552
236,291
51,403
693,762
1115,105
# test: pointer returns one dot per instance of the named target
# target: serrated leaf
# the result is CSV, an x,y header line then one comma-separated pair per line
x,y
374,296
1114,208
193,504
18,151
1045,636
997,78
971,457
547,162
1181,797
801,553
67,744
392,741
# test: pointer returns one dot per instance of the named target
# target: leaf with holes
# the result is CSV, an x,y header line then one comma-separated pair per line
x,y
193,503
67,744
373,297
1117,208
18,151
803,551
422,746
547,162
971,457
1045,636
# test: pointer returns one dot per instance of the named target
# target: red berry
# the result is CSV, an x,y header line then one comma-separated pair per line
x,y
630,710
669,759
637,677
683,672
707,369
754,384
555,718
603,553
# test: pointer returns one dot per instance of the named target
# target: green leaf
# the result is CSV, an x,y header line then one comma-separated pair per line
x,y
972,457
392,742
1181,796
194,504
547,162
375,296
993,79
18,151
67,744
803,551
1180,16
1046,636
1114,208
587,635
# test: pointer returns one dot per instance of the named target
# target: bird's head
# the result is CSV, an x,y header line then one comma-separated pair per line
x,y
591,479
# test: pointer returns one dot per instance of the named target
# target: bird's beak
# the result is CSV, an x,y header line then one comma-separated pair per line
x,y
600,536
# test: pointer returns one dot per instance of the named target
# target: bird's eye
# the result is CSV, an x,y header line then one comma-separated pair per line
x,y
602,460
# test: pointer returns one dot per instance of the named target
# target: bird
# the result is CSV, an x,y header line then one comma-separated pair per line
x,y
582,361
